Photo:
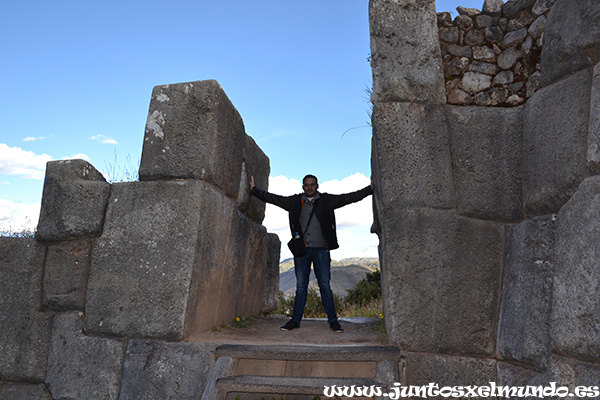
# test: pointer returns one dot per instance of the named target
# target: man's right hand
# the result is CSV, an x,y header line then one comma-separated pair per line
x,y
252,182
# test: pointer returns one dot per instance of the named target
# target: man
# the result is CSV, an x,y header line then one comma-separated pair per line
x,y
311,216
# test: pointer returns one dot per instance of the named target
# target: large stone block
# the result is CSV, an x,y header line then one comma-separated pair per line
x,y
486,145
157,371
73,201
83,367
555,137
172,259
444,370
593,151
194,132
25,330
411,157
66,275
24,391
256,164
571,39
575,323
232,280
441,281
272,274
405,52
569,376
524,325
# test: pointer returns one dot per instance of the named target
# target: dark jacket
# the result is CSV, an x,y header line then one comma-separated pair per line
x,y
324,207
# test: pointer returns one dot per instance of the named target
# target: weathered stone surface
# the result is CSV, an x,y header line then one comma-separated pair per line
x,y
460,51
475,82
486,159
537,27
509,57
405,51
449,35
484,53
524,325
492,97
172,258
441,278
494,34
513,7
571,38
464,22
492,7
158,370
411,156
541,6
24,391
484,21
272,274
593,150
25,330
567,373
576,304
471,12
483,67
474,38
504,78
533,83
512,39
457,66
194,132
256,164
555,136
73,201
446,370
82,367
65,275
519,23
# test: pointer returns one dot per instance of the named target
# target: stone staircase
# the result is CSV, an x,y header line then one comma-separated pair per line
x,y
293,372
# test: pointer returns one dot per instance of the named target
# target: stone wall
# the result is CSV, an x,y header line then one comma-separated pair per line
x,y
100,304
492,57
488,217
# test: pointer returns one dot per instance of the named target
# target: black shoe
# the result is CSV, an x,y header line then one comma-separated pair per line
x,y
336,327
291,324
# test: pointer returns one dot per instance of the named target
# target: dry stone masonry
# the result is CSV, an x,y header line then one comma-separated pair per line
x,y
492,57
485,163
100,304
488,219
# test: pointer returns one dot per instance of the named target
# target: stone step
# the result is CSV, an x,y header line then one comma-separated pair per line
x,y
309,353
260,371
285,385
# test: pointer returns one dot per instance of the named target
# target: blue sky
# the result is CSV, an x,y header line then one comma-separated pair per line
x,y
77,79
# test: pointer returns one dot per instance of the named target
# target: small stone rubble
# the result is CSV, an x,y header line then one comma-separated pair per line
x,y
492,57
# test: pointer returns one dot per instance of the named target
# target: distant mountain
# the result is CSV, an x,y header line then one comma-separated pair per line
x,y
370,263
344,274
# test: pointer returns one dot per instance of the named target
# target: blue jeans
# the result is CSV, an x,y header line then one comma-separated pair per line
x,y
321,260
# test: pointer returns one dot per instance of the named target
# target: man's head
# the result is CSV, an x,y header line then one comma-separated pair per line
x,y
310,185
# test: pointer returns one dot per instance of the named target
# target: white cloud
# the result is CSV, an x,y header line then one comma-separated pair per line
x,y
353,221
33,139
17,217
104,139
78,156
16,161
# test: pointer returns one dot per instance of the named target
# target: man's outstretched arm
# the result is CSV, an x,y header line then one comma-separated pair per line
x,y
340,200
284,202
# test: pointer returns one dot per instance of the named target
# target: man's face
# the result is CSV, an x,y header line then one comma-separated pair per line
x,y
310,187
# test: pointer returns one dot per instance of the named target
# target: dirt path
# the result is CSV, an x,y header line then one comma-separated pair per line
x,y
313,331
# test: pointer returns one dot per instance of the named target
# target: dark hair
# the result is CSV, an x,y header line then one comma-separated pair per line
x,y
310,176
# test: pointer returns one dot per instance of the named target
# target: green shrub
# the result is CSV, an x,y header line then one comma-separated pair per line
x,y
366,290
363,300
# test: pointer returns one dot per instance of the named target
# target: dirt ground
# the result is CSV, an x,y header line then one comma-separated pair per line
x,y
312,331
